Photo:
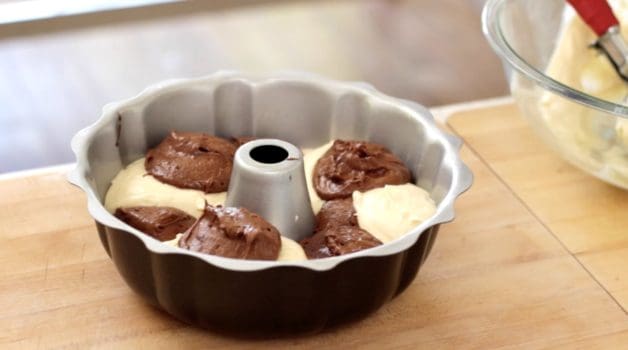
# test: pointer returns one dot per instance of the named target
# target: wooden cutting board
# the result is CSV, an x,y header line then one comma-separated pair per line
x,y
537,257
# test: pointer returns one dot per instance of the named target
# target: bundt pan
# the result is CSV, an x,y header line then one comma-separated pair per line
x,y
267,297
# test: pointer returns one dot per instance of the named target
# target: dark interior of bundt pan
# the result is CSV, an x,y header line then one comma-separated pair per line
x,y
276,300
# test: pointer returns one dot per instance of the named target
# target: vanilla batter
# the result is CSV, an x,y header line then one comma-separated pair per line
x,y
387,213
391,211
592,134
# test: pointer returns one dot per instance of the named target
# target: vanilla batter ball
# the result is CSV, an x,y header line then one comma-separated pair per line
x,y
391,211
134,187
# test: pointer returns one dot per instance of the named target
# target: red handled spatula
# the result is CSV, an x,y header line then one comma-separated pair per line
x,y
598,15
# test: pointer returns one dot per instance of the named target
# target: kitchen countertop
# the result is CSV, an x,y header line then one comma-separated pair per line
x,y
535,258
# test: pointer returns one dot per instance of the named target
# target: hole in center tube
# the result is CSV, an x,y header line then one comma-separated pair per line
x,y
268,154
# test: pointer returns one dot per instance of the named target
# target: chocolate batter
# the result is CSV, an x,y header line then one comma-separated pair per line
x,y
338,212
162,223
356,166
337,232
337,240
233,233
192,160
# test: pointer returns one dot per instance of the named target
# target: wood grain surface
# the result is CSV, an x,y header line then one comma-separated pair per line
x,y
502,275
588,216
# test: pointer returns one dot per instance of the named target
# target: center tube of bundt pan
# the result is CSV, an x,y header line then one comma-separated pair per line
x,y
268,178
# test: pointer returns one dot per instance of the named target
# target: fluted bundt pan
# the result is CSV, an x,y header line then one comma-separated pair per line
x,y
267,297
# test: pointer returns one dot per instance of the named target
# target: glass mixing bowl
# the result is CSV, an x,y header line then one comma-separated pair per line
x,y
589,132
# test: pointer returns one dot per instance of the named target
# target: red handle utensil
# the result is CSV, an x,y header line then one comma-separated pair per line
x,y
596,13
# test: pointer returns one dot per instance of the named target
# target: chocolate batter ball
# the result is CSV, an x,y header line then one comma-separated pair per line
x,y
337,232
356,166
338,240
233,233
192,160
162,223
338,212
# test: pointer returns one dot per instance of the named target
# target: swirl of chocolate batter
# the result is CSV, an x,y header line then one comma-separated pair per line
x,y
337,232
162,223
192,160
233,233
356,166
